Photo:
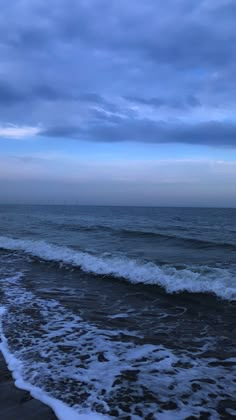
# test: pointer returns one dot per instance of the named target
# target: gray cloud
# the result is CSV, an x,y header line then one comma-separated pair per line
x,y
8,94
90,69
172,102
119,129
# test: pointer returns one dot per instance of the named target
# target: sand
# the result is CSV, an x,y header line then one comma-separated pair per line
x,y
16,404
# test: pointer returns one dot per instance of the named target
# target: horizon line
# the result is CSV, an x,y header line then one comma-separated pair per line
x,y
117,205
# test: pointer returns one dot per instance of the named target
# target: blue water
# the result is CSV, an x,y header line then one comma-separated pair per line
x,y
143,294
198,240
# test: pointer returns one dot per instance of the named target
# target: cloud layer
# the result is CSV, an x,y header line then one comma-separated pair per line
x,y
101,70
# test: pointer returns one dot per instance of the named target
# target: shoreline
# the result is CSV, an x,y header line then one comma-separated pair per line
x,y
16,403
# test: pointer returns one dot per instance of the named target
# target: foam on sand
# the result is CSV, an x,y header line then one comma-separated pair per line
x,y
62,411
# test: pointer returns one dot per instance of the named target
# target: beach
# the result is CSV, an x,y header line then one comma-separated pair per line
x,y
117,210
16,404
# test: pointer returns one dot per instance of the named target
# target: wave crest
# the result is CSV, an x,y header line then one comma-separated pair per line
x,y
201,280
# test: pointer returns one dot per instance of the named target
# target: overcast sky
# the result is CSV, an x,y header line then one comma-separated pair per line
x,y
118,102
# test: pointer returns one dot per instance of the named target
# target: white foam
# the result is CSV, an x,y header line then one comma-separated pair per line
x,y
117,316
220,282
38,362
61,410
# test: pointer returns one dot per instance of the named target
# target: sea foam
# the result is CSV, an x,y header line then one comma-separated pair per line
x,y
62,411
218,281
44,366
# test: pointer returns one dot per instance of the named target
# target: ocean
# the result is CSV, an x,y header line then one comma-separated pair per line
x,y
121,312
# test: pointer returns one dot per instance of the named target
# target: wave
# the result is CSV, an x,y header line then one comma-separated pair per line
x,y
163,234
217,281
75,227
194,241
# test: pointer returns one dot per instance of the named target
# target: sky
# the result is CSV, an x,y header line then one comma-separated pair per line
x,y
116,102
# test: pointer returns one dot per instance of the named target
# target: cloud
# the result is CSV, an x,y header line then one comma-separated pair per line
x,y
211,133
190,101
89,69
18,132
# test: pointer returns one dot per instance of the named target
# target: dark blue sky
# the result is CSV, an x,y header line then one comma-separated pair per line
x,y
118,102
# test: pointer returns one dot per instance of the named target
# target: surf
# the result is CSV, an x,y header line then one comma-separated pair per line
x,y
202,279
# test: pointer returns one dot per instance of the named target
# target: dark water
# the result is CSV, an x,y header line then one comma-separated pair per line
x,y
126,312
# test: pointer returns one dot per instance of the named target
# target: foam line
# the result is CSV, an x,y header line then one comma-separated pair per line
x,y
61,410
220,282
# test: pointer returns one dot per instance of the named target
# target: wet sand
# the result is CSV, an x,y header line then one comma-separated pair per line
x,y
16,404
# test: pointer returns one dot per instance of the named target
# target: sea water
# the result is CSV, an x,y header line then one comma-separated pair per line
x,y
117,312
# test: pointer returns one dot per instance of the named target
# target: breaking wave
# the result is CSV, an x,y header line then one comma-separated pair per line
x,y
217,281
